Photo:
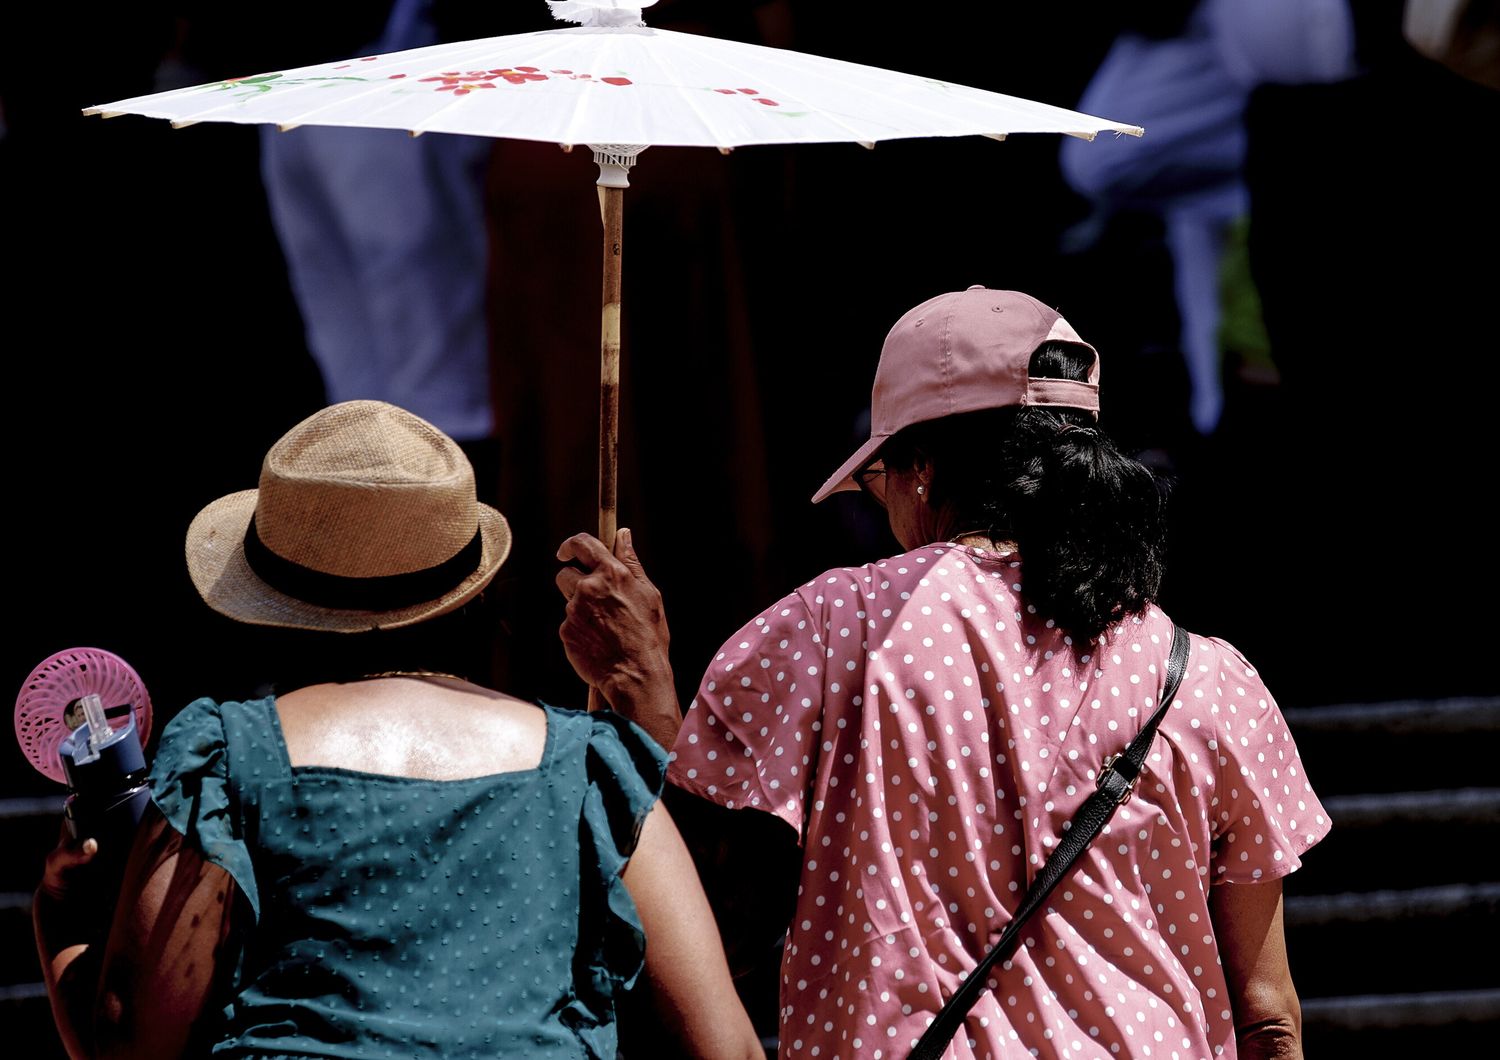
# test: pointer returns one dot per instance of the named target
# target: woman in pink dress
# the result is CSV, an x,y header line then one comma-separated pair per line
x,y
881,761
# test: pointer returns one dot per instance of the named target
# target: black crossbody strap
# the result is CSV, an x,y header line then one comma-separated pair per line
x,y
1116,781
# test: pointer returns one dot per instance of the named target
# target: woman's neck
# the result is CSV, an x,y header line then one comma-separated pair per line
x,y
981,539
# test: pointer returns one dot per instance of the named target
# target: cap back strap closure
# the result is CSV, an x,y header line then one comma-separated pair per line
x,y
386,592
1068,393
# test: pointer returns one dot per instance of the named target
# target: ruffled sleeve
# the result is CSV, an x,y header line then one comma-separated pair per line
x,y
190,785
625,770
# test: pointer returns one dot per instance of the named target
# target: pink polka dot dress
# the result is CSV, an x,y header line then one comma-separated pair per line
x,y
928,736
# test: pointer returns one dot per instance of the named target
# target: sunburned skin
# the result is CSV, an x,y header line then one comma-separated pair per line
x,y
432,727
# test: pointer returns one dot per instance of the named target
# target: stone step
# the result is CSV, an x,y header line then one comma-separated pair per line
x,y
1412,943
1400,746
1438,1024
1401,840
19,780
29,828
18,958
1434,1008
1459,805
1373,907
1446,1041
25,807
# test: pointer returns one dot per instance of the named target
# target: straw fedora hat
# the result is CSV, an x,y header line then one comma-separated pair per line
x,y
365,519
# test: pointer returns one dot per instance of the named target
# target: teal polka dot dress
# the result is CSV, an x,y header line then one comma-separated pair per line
x,y
399,917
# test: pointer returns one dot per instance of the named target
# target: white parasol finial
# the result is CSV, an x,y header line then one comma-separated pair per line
x,y
607,13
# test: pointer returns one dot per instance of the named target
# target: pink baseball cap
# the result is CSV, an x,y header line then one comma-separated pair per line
x,y
962,352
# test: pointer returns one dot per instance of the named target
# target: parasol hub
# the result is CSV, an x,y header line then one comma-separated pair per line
x,y
612,14
614,161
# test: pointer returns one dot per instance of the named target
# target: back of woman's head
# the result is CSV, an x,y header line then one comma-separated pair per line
x,y
258,660
363,537
1089,521
365,517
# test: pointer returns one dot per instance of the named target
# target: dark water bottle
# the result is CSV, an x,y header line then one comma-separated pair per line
x,y
107,790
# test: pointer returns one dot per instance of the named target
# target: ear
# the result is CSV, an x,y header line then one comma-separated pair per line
x,y
921,468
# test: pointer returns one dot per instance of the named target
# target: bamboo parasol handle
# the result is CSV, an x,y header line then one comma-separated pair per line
x,y
612,206
612,211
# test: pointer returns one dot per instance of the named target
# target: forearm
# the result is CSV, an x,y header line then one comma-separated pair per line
x,y
690,984
1247,921
71,965
749,863
648,697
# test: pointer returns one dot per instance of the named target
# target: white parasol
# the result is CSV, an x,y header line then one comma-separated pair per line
x,y
618,86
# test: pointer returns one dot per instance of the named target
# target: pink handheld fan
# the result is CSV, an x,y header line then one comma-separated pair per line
x,y
52,707
63,724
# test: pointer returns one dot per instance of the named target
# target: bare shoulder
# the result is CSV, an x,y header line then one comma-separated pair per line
x,y
426,728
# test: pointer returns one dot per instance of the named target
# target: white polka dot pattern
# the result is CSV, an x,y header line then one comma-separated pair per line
x,y
928,736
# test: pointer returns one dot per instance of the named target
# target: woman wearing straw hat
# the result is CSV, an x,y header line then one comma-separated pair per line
x,y
884,760
389,860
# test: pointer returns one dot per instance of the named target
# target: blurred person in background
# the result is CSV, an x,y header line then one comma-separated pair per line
x,y
1186,72
387,252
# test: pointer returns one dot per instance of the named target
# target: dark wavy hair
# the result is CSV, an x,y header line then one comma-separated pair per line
x,y
1090,521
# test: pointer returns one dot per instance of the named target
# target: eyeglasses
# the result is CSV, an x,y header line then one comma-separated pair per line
x,y
871,479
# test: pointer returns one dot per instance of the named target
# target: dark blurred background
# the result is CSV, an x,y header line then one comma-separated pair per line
x,y
1331,490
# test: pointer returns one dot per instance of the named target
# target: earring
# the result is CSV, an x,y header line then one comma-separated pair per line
x,y
921,491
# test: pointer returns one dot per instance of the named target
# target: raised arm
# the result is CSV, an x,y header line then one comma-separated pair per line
x,y
141,992
615,632
1248,925
70,945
